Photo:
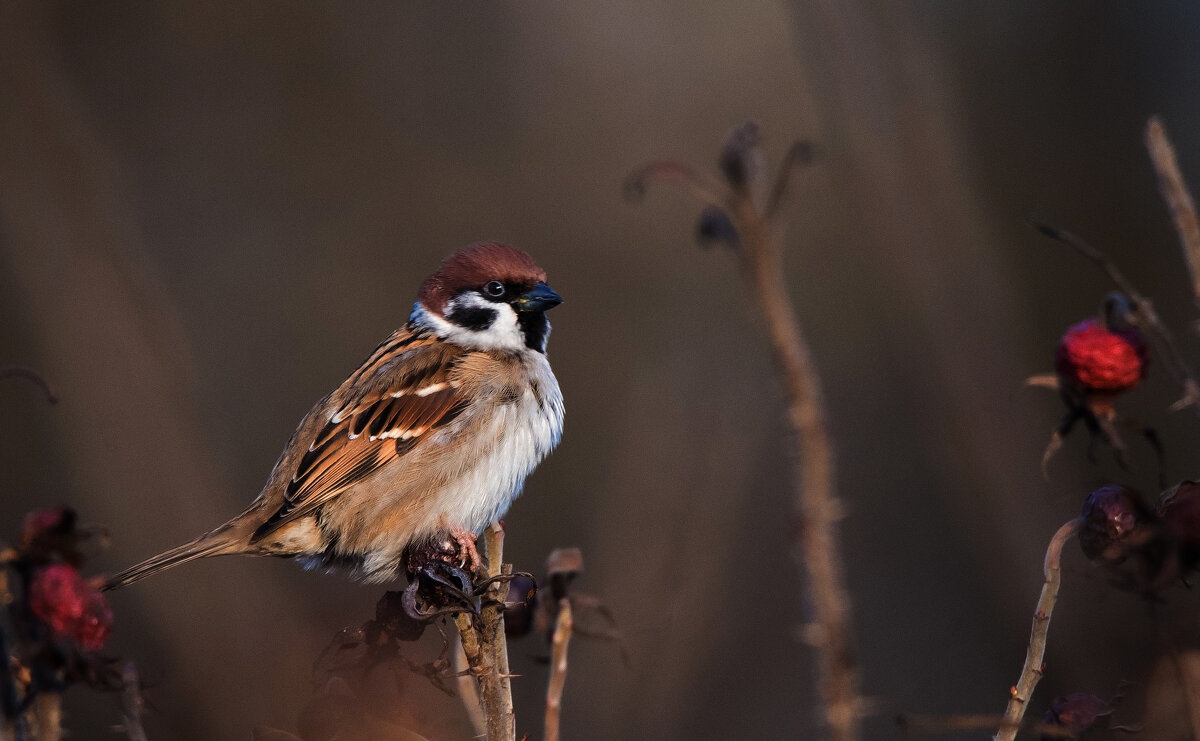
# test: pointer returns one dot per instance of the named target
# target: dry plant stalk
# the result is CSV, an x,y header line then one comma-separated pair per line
x,y
753,212
47,716
132,703
1035,655
1175,192
486,649
558,668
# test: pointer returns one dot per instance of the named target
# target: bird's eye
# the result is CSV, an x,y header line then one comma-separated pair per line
x,y
494,289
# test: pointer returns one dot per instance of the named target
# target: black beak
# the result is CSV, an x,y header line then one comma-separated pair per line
x,y
539,298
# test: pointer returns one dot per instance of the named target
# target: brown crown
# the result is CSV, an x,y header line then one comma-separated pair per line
x,y
473,266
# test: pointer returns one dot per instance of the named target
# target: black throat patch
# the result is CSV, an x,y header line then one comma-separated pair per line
x,y
535,329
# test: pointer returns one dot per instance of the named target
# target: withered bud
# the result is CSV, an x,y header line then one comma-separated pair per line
x,y
52,536
741,160
1076,713
395,621
520,611
562,566
1115,524
714,227
1179,510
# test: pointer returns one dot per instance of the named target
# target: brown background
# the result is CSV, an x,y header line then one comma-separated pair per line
x,y
210,212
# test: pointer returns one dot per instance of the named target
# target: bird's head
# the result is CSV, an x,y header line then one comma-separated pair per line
x,y
488,296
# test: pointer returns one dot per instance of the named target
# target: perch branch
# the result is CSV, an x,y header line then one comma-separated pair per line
x,y
1179,200
1144,314
485,647
558,667
1035,655
815,510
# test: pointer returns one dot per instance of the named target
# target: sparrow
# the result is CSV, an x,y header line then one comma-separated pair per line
x,y
434,434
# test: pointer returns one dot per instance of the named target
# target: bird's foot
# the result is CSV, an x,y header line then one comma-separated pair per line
x,y
455,547
467,552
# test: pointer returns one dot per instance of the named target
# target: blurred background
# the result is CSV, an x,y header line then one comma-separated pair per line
x,y
211,212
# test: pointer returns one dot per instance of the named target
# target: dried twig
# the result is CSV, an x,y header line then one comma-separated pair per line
x,y
31,374
558,667
468,690
485,647
132,703
1034,657
1144,315
11,722
47,715
1175,192
816,510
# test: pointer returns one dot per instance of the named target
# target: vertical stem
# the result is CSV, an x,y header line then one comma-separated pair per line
x,y
468,689
558,668
132,703
10,700
486,649
816,510
1179,200
493,631
47,711
1031,672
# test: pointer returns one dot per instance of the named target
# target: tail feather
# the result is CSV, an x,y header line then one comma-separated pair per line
x,y
202,547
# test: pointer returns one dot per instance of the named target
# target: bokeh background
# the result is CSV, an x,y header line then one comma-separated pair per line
x,y
210,212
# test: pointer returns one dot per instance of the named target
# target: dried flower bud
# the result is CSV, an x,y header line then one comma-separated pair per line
x,y
40,521
1179,510
741,160
1099,359
1115,524
394,620
520,611
714,227
562,566
1076,713
70,607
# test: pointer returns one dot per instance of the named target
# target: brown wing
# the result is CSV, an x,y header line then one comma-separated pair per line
x,y
401,400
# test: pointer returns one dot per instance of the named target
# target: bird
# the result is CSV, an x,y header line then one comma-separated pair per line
x,y
432,436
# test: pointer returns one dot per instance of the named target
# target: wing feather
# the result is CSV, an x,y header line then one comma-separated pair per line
x,y
401,401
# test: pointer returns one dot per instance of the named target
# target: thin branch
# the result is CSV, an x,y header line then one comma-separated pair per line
x,y
493,630
1035,655
12,723
1144,315
31,374
47,714
132,703
703,187
558,667
816,511
800,154
1179,200
468,690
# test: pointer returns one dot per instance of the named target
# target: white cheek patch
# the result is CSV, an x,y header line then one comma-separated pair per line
x,y
504,333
